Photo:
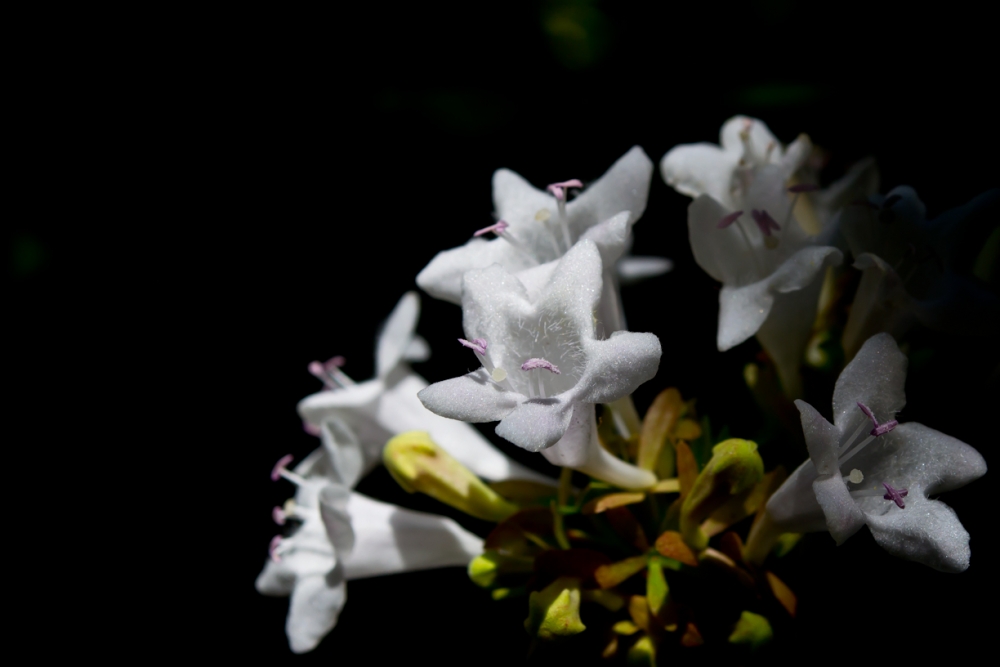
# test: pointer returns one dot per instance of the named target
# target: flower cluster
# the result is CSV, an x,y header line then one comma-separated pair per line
x,y
650,510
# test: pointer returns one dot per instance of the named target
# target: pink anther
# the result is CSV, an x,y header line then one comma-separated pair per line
x,y
764,221
728,220
279,467
311,429
803,187
895,495
477,344
558,190
880,429
272,549
279,516
534,363
499,228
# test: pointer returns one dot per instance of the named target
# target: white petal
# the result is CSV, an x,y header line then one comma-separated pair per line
x,y
471,398
313,610
392,539
611,237
344,452
859,183
517,202
333,508
793,507
401,410
317,407
926,531
822,439
843,518
485,293
742,311
537,423
763,145
881,305
722,253
617,366
874,377
700,169
396,333
536,278
623,187
631,269
276,579
574,290
442,277
417,349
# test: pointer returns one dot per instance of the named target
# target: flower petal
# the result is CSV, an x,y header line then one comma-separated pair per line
x,y
617,366
517,202
822,439
537,423
486,292
313,610
742,311
317,407
700,169
442,277
926,531
611,237
843,517
574,290
474,397
623,187
875,377
333,508
880,305
762,145
344,453
396,334
793,507
392,539
722,253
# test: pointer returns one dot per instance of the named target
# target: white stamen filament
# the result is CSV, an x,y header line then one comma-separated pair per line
x,y
564,225
867,493
292,477
517,245
857,449
854,436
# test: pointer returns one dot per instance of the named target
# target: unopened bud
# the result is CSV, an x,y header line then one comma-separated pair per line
x,y
735,468
554,611
418,464
485,568
752,629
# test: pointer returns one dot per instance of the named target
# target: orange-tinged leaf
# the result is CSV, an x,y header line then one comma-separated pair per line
x,y
604,503
687,467
611,648
782,593
659,422
672,545
608,576
691,636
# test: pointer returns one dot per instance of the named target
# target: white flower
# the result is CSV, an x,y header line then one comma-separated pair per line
x,y
345,535
543,366
747,231
537,227
909,269
376,410
885,479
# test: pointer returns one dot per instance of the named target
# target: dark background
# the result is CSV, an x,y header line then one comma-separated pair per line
x,y
213,201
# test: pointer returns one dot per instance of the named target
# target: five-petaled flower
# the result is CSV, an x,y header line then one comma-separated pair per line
x,y
543,367
536,227
767,239
885,479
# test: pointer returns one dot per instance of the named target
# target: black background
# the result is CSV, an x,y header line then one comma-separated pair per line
x,y
213,201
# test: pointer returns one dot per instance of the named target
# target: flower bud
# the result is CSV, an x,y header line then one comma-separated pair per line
x,y
554,611
752,629
735,468
485,568
418,464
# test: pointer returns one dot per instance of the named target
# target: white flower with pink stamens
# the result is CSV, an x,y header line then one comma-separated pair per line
x,y
537,227
764,237
543,367
337,535
376,410
882,476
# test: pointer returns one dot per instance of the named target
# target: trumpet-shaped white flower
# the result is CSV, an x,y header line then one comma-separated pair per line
x,y
747,230
376,410
537,227
908,269
543,367
866,469
343,535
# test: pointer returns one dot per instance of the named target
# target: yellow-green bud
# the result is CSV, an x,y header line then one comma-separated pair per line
x,y
554,611
418,464
735,468
752,629
485,568
642,653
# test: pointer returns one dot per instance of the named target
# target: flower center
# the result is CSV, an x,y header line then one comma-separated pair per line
x,y
536,363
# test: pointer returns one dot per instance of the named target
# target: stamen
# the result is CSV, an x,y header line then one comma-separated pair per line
x,y
534,363
728,220
856,477
895,495
850,441
880,429
803,187
498,228
867,441
476,344
311,429
329,373
498,374
279,516
558,190
764,221
272,549
280,467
